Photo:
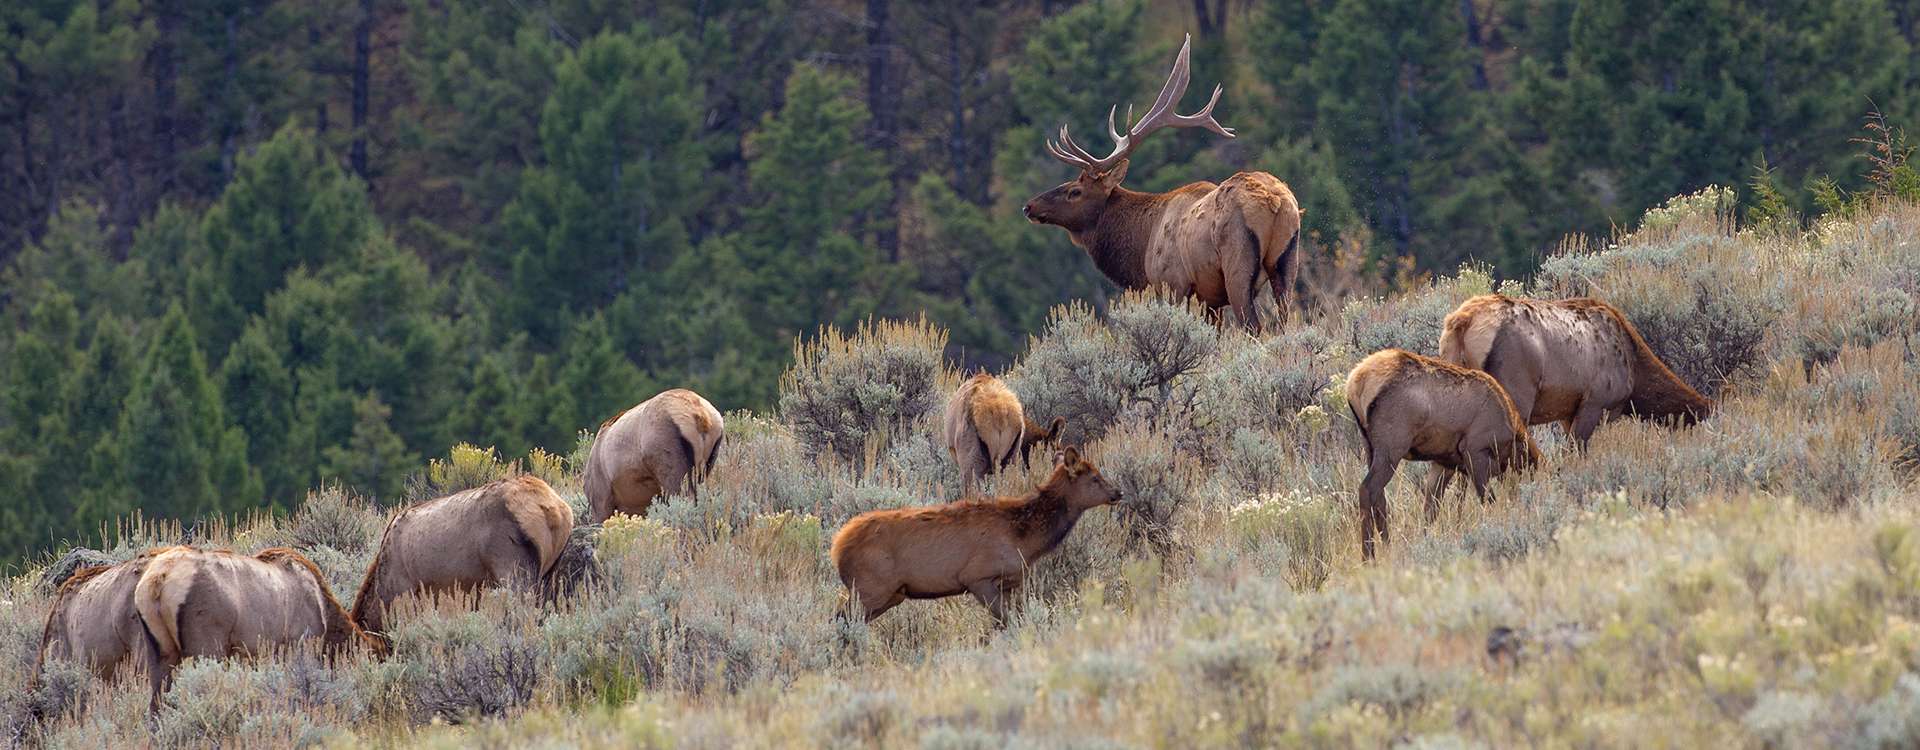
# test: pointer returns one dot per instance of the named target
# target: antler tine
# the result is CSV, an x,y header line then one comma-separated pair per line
x,y
1089,160
1063,156
1160,115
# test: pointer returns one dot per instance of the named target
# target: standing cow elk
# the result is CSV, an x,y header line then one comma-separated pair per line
x,y
1412,407
1573,361
982,548
1211,242
510,531
982,427
665,444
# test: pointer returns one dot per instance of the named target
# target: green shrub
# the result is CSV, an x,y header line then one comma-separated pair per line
x,y
1079,370
333,517
843,391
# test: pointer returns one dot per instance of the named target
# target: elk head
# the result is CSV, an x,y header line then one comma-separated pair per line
x,y
1076,204
1077,481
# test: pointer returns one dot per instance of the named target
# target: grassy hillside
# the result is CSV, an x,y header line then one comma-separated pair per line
x,y
1756,577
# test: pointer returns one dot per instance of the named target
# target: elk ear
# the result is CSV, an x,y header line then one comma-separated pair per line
x,y
1053,430
1111,178
1068,457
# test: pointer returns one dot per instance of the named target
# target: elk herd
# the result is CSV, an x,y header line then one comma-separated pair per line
x,y
1504,364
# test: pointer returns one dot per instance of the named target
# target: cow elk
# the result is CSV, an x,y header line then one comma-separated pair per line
x,y
1211,242
982,427
1573,361
510,531
982,548
1410,407
665,444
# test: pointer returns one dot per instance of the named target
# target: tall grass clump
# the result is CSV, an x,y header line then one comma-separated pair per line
x,y
843,391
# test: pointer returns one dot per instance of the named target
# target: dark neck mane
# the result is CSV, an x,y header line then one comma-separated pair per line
x,y
1118,241
1041,521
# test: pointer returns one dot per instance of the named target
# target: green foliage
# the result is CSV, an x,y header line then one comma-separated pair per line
x,y
846,391
175,454
373,460
289,207
608,210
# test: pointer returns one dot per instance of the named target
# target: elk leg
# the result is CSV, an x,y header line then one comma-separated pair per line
x,y
1585,420
1283,275
876,600
1437,482
1373,503
1242,279
993,595
1480,470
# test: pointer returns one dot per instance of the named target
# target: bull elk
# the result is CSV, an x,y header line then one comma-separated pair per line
x,y
1211,242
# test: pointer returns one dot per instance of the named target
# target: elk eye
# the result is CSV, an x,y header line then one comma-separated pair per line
x,y
1074,194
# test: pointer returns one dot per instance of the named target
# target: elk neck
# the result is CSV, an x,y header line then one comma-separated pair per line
x,y
1118,241
1041,521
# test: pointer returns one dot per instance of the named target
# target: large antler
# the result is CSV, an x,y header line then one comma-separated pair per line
x,y
1160,116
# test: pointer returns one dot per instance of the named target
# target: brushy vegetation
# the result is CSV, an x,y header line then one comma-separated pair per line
x,y
1754,579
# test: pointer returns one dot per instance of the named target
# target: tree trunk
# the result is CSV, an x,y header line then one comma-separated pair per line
x,y
230,119
1476,46
882,105
165,73
319,70
1212,22
956,97
362,52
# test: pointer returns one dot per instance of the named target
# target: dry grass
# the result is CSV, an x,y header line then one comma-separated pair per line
x,y
1754,580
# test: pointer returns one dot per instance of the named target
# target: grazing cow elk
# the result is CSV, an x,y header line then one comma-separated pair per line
x,y
1034,435
93,621
510,531
983,426
886,557
1425,409
667,443
1574,361
1212,242
217,604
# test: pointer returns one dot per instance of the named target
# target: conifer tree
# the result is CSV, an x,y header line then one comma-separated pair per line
x,y
374,459
608,209
290,206
175,453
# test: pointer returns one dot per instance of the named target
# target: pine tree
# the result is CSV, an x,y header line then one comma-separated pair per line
x,y
486,417
174,449
599,379
74,258
36,455
258,396
608,209
811,179
290,206
374,460
97,395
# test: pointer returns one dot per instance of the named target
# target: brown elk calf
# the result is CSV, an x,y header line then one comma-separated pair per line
x,y
1410,407
886,557
217,604
982,428
1575,361
667,443
510,531
1211,242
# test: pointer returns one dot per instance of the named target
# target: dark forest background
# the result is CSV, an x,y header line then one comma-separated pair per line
x,y
253,245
